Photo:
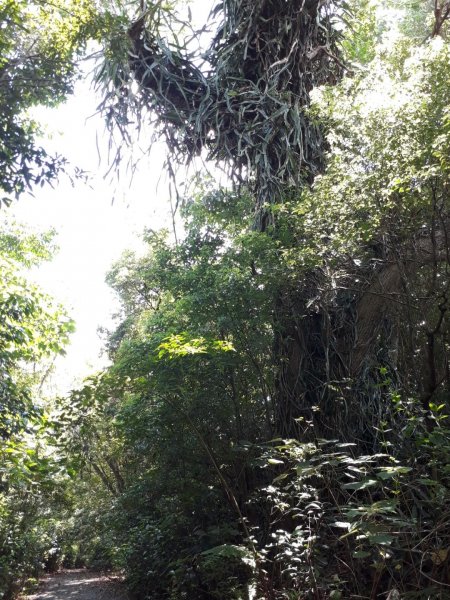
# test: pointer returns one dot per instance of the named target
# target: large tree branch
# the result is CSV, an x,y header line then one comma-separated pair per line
x,y
441,14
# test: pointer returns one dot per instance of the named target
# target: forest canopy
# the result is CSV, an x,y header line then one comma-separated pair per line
x,y
273,423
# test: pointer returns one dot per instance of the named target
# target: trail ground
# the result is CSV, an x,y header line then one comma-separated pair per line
x,y
79,584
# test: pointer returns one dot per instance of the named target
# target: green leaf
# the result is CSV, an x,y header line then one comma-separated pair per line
x,y
380,538
360,485
390,472
341,524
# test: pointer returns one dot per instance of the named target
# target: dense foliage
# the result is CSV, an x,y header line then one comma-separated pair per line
x,y
273,424
32,328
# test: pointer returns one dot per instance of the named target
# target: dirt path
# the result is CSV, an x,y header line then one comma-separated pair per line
x,y
79,585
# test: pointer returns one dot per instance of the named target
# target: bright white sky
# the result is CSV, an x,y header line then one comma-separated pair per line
x,y
93,230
